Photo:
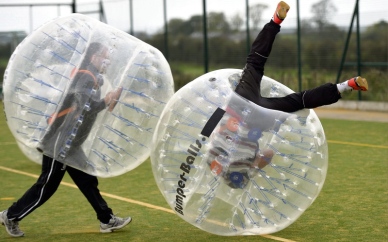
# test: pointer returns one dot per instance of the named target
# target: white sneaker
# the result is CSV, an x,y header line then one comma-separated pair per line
x,y
12,227
115,223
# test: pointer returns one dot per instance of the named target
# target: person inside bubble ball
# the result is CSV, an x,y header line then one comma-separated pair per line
x,y
236,156
84,89
249,88
80,108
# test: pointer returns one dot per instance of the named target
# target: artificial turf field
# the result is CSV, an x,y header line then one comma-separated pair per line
x,y
352,206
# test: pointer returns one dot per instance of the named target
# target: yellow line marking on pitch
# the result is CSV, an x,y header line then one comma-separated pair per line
x,y
7,198
148,205
276,238
102,193
357,144
137,202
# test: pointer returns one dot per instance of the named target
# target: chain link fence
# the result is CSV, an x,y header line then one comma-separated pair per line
x,y
323,49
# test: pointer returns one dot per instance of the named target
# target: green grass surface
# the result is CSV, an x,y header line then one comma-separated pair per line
x,y
352,206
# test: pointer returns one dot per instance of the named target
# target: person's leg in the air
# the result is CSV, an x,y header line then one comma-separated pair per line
x,y
249,85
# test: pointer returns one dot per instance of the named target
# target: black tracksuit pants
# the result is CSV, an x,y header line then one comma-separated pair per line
x,y
249,85
48,182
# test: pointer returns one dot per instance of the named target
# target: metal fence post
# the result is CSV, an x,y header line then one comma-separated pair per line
x,y
206,54
165,30
299,48
247,26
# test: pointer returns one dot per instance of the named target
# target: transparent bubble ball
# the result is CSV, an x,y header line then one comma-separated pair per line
x,y
47,105
230,167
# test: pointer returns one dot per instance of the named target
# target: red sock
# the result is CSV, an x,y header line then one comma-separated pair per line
x,y
276,18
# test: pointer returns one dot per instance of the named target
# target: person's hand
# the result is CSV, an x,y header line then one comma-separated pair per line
x,y
262,160
112,97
